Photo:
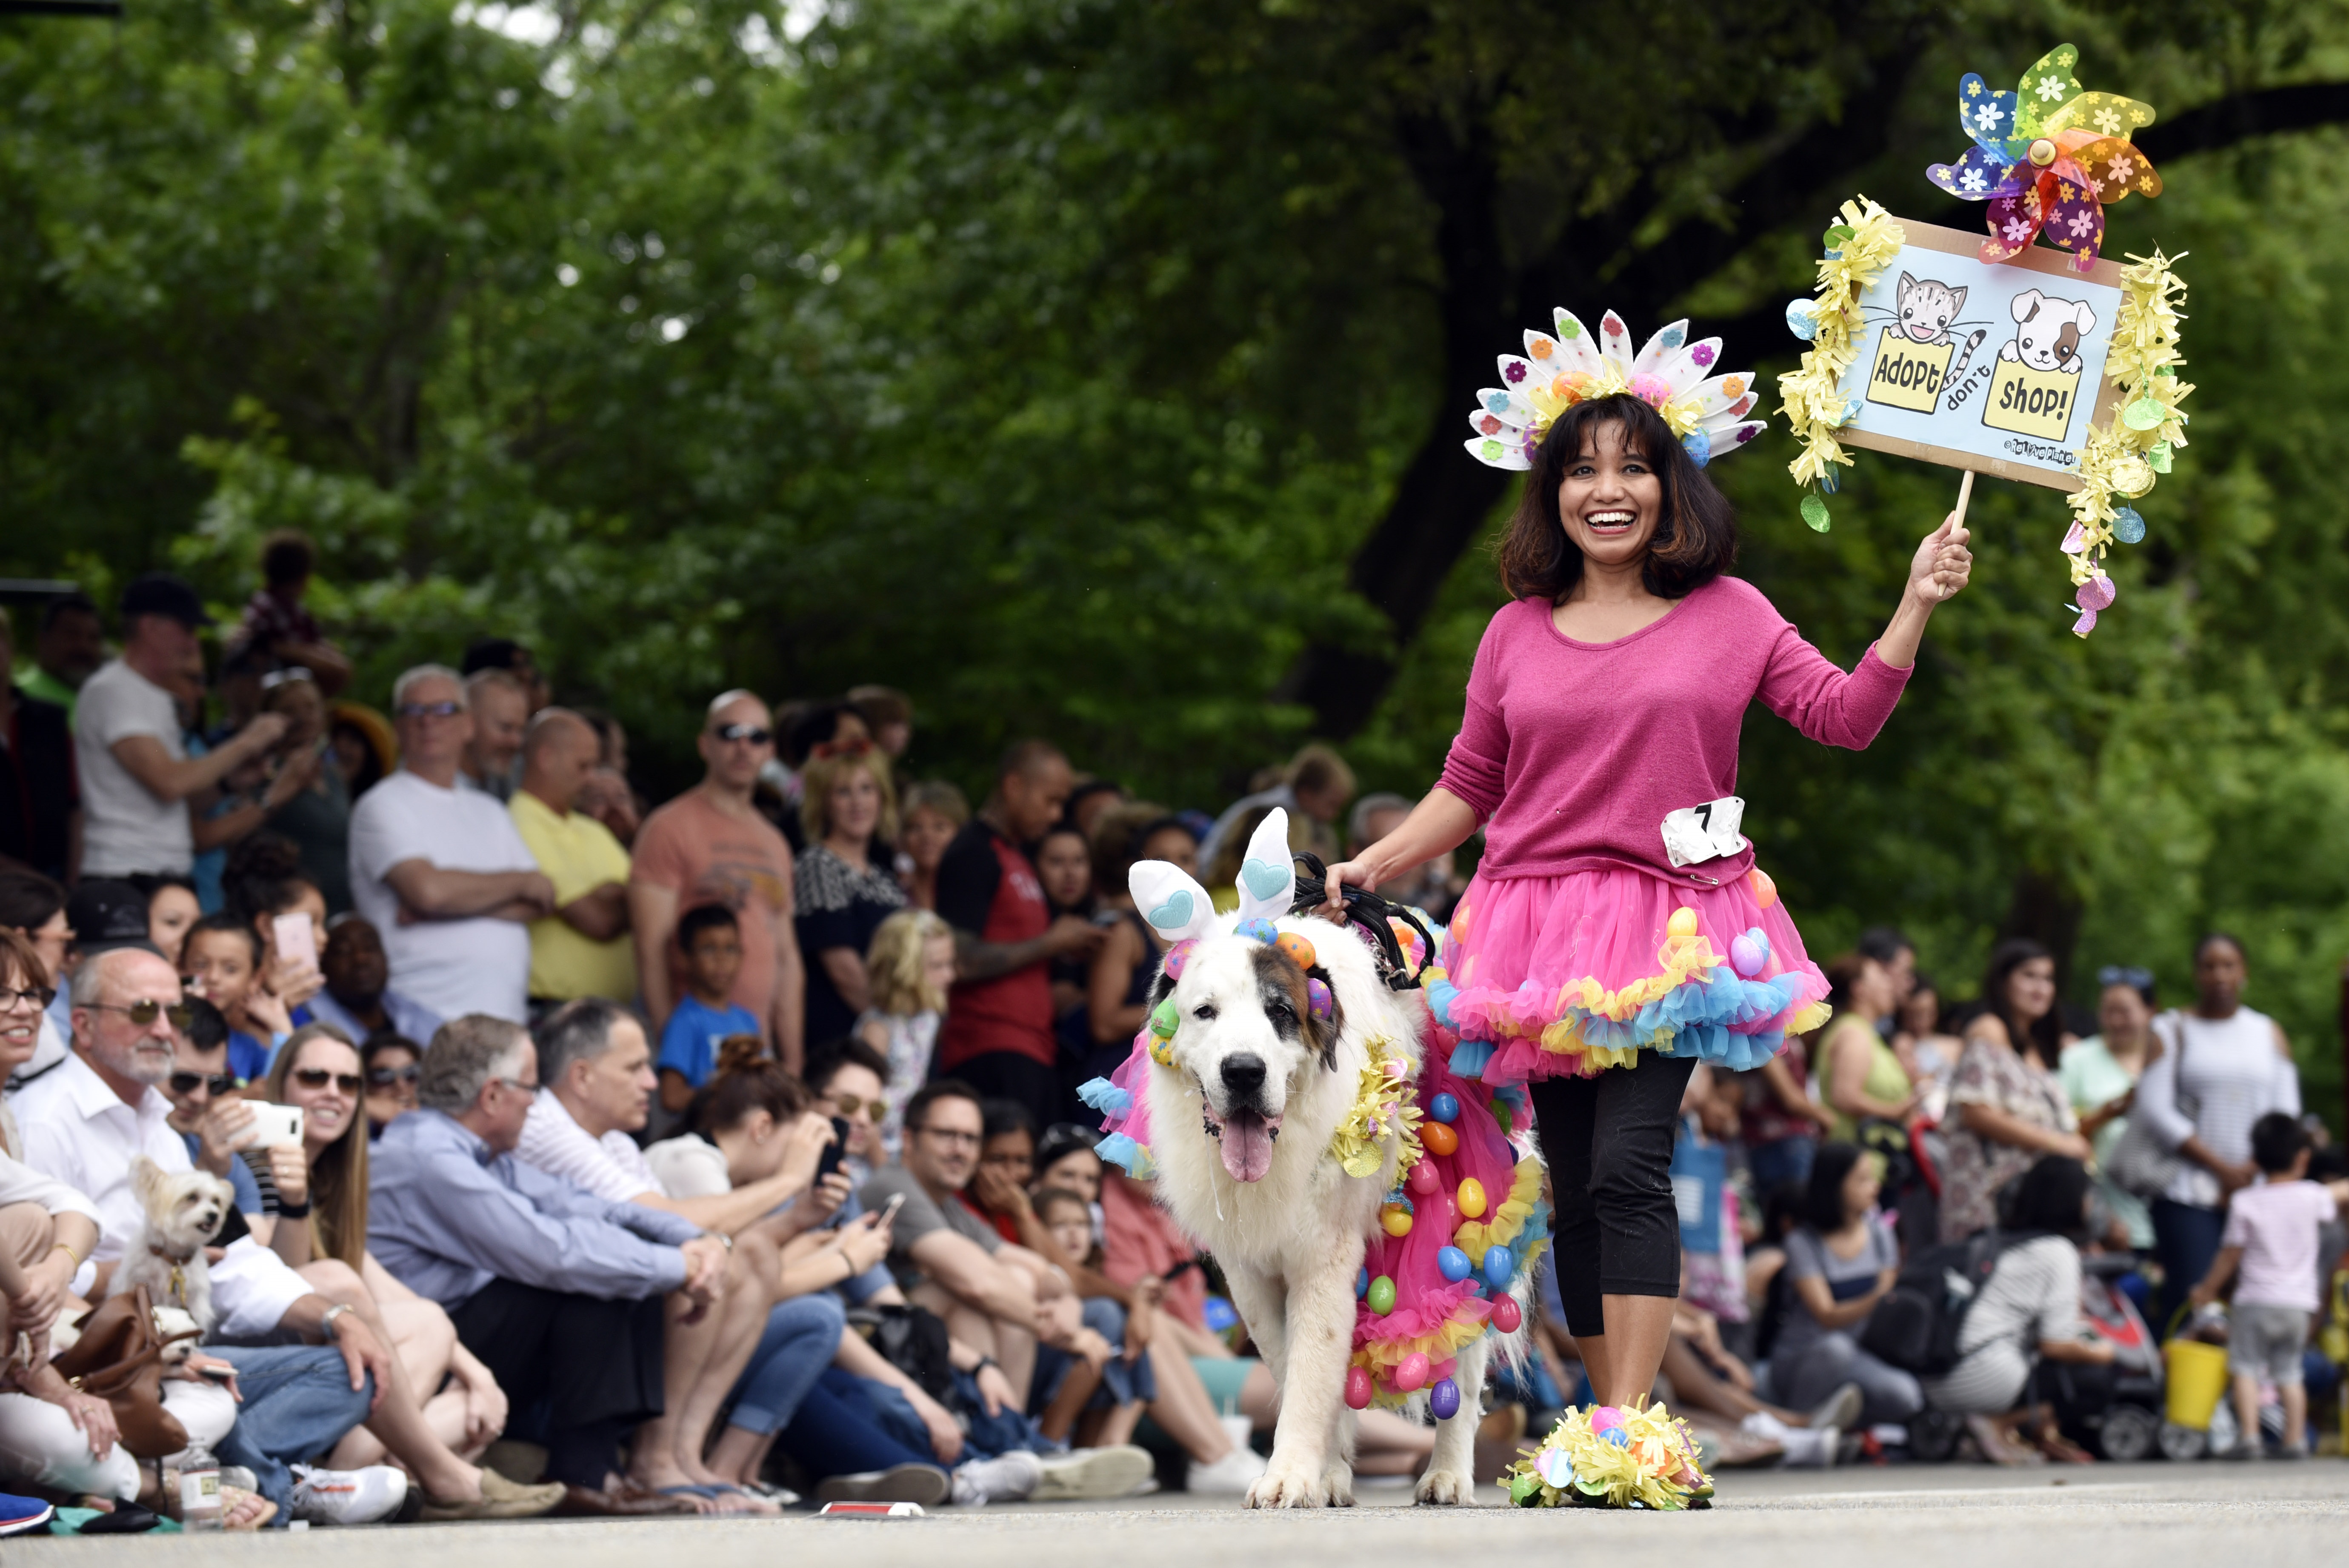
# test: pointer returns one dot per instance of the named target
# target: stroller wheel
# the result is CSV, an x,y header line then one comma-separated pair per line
x,y
2128,1433
2183,1443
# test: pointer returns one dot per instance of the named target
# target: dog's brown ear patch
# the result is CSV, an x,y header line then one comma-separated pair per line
x,y
1323,1032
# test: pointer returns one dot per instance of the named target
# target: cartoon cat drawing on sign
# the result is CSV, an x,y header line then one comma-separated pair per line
x,y
1914,348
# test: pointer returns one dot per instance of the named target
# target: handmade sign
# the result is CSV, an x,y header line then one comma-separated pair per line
x,y
1994,356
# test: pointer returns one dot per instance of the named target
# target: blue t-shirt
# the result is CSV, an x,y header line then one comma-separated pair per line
x,y
689,1043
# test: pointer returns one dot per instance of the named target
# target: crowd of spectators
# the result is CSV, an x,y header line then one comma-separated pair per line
x,y
682,1159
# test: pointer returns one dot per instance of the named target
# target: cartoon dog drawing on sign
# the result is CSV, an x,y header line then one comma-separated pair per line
x,y
2048,331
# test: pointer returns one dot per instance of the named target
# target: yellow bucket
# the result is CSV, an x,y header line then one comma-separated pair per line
x,y
2197,1380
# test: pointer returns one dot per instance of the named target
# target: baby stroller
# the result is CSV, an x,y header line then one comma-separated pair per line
x,y
2129,1426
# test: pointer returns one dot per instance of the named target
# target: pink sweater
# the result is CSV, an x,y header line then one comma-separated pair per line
x,y
1571,753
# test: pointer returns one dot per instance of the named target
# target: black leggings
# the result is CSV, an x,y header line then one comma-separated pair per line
x,y
1608,1141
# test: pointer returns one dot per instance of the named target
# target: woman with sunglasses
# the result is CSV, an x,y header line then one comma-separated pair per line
x,y
432,1433
393,1067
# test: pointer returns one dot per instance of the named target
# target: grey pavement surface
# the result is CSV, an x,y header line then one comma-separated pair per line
x,y
2155,1515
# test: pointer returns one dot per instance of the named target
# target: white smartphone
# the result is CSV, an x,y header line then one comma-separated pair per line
x,y
273,1125
296,938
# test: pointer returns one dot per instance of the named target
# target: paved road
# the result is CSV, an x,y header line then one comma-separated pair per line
x,y
2146,1516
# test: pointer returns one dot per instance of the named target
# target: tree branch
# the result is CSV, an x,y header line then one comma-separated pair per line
x,y
2264,111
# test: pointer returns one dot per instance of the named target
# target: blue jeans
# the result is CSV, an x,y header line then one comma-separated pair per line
x,y
839,1428
298,1403
2185,1237
1122,1382
1779,1161
803,1337
1805,1376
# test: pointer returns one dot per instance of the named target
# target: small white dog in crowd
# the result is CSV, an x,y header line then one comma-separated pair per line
x,y
184,1210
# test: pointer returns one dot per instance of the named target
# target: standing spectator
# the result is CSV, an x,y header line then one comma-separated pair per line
x,y
2271,1236
809,731
40,795
358,997
842,893
1089,801
317,812
1840,1264
500,704
711,845
1431,885
935,812
1887,947
1313,789
888,716
999,1031
609,797
706,1016
2222,1066
1064,865
136,773
2100,1077
364,746
582,948
67,651
1781,1122
560,1293
912,965
2010,1105
276,628
505,653
439,872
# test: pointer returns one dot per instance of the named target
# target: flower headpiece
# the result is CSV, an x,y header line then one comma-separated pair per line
x,y
1708,416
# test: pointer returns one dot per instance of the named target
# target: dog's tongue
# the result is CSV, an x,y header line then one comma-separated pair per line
x,y
1247,1146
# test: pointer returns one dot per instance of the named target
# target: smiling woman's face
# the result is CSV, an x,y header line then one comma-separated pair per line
x,y
20,1015
1611,498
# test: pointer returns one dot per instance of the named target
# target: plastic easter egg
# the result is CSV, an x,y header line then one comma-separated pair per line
x,y
1499,1264
1381,1295
2129,525
1523,1486
1749,952
1508,1315
1357,1388
1471,1198
1766,891
1317,1000
1682,924
1554,1468
1439,1139
1299,949
1799,319
1698,445
1396,1221
1422,1180
1504,1116
1605,1415
1162,1050
1454,1264
1178,956
1445,1108
1617,1435
1164,1020
1361,1282
1444,1399
1410,1373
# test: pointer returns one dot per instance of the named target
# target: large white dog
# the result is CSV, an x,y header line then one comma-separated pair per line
x,y
1243,1101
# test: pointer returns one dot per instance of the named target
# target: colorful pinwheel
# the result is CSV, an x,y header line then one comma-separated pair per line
x,y
2047,158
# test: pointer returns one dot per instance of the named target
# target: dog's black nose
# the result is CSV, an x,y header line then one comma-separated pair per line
x,y
1244,1076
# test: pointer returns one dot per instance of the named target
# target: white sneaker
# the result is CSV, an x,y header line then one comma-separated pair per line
x,y
1230,1476
1810,1448
1008,1478
359,1496
1082,1473
1762,1424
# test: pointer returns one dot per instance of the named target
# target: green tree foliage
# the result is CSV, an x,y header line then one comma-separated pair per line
x,y
1094,367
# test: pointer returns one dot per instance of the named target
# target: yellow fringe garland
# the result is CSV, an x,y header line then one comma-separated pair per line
x,y
1384,1103
1475,1236
2118,459
1655,1468
1814,403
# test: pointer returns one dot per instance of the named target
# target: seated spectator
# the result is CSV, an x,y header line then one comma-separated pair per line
x,y
222,959
711,845
35,908
910,966
432,1432
2007,1106
707,1014
2271,1237
850,1080
440,873
559,1292
2024,1327
842,893
935,812
214,1122
129,753
316,815
70,649
1707,1376
1930,1054
358,997
582,948
265,882
1842,1260
393,1065
171,908
277,627
40,795
84,1125
500,705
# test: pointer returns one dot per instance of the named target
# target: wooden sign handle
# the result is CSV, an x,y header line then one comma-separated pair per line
x,y
1965,495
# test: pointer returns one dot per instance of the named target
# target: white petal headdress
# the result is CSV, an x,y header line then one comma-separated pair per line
x,y
1709,414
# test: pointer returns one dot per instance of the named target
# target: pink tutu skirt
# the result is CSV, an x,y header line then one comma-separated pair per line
x,y
1555,976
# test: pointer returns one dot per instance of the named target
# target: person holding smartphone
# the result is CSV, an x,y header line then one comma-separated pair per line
x,y
314,808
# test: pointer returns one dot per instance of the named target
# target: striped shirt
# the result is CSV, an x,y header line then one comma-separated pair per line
x,y
2033,1294
2230,1070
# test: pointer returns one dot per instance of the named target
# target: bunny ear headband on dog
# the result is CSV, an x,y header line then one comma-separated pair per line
x,y
1179,910
1708,416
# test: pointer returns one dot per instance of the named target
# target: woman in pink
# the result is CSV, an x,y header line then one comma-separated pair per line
x,y
1592,959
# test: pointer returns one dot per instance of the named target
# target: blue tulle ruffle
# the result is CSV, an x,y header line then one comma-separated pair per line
x,y
1105,1096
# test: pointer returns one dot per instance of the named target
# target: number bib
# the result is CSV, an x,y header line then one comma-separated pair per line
x,y
1706,832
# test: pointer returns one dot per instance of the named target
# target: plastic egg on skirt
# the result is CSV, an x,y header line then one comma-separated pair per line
x,y
1454,1264
1471,1199
1411,1372
1748,953
1422,1179
1444,1399
1499,1264
1508,1315
1682,924
1381,1295
1439,1139
1361,1282
1357,1388
1445,1108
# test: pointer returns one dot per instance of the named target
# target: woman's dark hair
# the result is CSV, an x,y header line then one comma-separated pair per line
x,y
2043,1038
1782,1211
1000,1117
385,1040
2053,1196
2208,937
1823,1201
745,1079
263,876
1696,535
28,901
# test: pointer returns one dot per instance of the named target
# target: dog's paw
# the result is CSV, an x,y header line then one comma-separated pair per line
x,y
1338,1484
1445,1488
1290,1486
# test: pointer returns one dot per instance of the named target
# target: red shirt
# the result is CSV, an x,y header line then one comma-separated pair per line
x,y
988,888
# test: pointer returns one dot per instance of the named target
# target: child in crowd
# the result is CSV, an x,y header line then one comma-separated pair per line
x,y
910,964
2271,1238
1069,1218
711,939
221,961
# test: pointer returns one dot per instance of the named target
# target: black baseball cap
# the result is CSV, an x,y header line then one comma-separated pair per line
x,y
164,593
106,915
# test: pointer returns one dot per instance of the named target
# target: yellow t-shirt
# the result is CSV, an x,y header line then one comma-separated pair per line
x,y
579,855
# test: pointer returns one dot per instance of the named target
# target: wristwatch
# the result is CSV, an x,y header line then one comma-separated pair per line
x,y
326,1322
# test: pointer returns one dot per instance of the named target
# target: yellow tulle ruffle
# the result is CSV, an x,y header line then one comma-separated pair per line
x,y
1613,1457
